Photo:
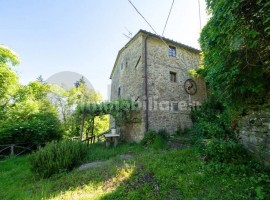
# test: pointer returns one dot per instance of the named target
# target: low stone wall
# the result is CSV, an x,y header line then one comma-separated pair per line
x,y
254,134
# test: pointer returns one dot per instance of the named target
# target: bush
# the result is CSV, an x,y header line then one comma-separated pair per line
x,y
214,123
149,137
212,120
182,131
57,157
38,128
158,140
159,143
225,151
163,134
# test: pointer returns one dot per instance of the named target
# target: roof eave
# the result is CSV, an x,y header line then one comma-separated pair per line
x,y
140,32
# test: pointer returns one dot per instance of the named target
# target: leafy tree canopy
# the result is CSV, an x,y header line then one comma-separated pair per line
x,y
8,78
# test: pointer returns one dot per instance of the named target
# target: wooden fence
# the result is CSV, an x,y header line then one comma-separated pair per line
x,y
15,149
19,149
94,138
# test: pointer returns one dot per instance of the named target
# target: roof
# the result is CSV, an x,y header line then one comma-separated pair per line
x,y
140,32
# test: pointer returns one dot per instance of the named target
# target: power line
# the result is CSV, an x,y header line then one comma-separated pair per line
x,y
142,16
168,18
200,14
147,22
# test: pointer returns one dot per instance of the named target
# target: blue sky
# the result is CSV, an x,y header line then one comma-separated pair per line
x,y
85,36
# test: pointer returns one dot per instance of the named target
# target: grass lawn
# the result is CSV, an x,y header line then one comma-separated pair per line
x,y
150,174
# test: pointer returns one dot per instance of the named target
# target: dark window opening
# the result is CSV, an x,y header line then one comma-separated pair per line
x,y
119,92
174,106
173,76
172,51
137,62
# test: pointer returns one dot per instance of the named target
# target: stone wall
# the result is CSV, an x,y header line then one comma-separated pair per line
x,y
163,92
254,134
128,76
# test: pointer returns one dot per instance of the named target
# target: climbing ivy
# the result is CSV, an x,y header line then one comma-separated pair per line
x,y
121,110
236,45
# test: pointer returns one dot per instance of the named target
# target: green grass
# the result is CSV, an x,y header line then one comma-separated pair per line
x,y
152,174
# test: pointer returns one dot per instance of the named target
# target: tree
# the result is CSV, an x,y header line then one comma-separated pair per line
x,y
66,102
41,79
26,114
29,99
235,43
79,82
8,78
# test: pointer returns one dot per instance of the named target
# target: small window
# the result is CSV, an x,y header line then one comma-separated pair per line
x,y
126,64
173,76
122,65
172,51
137,62
119,92
174,106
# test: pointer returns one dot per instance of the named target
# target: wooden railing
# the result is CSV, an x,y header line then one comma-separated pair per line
x,y
94,138
15,149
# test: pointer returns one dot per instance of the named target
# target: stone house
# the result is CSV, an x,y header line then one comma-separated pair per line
x,y
154,71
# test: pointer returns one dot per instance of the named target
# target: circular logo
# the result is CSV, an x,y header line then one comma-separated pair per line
x,y
68,80
190,86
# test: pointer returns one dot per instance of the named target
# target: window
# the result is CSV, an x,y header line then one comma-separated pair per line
x,y
137,62
122,65
174,106
173,76
172,51
119,92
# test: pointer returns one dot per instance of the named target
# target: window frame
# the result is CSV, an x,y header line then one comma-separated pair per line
x,y
172,51
174,75
173,106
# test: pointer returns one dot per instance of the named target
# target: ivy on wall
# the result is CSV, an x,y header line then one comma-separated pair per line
x,y
123,111
236,45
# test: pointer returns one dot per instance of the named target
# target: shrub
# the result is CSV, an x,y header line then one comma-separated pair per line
x,y
225,151
182,131
212,120
158,140
57,157
206,129
163,134
149,137
38,128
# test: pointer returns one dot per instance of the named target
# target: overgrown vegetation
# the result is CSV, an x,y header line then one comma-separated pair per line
x,y
214,137
122,110
150,173
156,139
57,157
236,67
235,44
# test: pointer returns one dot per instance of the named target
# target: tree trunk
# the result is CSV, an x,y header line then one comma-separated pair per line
x,y
82,126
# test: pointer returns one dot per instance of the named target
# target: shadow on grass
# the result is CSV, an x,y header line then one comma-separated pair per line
x,y
153,174
18,182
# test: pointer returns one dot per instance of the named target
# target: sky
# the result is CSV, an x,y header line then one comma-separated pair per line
x,y
84,36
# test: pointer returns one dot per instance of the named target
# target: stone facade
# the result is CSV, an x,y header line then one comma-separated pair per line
x,y
254,134
163,77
